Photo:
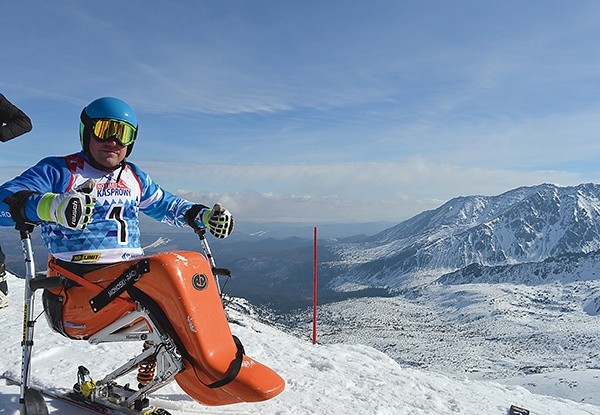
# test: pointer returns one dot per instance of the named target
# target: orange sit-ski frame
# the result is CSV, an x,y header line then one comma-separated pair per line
x,y
177,302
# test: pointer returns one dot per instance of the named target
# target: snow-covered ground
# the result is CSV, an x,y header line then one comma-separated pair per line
x,y
542,337
333,378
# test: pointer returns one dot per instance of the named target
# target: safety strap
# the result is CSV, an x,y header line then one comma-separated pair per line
x,y
120,285
235,367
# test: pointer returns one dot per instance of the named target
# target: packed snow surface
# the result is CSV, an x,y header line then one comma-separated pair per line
x,y
321,379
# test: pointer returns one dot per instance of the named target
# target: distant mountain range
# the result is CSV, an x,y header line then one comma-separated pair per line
x,y
490,286
529,235
550,232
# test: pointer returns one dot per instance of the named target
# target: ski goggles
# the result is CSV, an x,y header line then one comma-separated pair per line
x,y
121,131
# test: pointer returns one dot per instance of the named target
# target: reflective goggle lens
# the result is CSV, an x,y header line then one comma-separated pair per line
x,y
108,129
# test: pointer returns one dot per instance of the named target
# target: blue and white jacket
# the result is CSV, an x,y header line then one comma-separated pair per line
x,y
113,233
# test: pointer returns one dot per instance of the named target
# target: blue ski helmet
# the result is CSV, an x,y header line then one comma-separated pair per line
x,y
106,108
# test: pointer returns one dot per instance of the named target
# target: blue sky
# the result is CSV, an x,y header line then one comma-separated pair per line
x,y
318,111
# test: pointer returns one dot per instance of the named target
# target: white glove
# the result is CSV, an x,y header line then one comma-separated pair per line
x,y
73,209
218,221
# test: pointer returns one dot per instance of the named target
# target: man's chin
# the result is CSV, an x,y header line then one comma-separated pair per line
x,y
109,163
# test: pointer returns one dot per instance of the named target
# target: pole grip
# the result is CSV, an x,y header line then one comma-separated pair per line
x,y
47,282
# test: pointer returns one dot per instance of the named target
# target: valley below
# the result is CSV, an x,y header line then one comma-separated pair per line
x,y
533,336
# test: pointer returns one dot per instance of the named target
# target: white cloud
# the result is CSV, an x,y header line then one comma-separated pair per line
x,y
335,192
340,192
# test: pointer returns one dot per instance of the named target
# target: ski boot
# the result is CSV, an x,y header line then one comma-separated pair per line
x,y
85,384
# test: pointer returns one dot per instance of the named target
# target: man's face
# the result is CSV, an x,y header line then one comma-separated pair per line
x,y
107,153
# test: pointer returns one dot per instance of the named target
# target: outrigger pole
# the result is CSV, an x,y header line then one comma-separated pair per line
x,y
31,401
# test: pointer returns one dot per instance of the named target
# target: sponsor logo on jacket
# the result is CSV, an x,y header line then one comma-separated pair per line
x,y
113,189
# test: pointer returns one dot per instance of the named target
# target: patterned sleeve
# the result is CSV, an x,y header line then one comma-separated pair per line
x,y
49,175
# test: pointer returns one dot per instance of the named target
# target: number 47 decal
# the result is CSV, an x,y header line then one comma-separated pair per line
x,y
116,213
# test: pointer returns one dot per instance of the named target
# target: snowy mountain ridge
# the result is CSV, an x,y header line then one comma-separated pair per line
x,y
503,287
524,225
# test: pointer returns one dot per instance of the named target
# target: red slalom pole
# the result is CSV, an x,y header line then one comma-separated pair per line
x,y
315,262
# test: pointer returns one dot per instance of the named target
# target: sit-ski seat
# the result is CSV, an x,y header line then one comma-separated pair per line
x,y
179,290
